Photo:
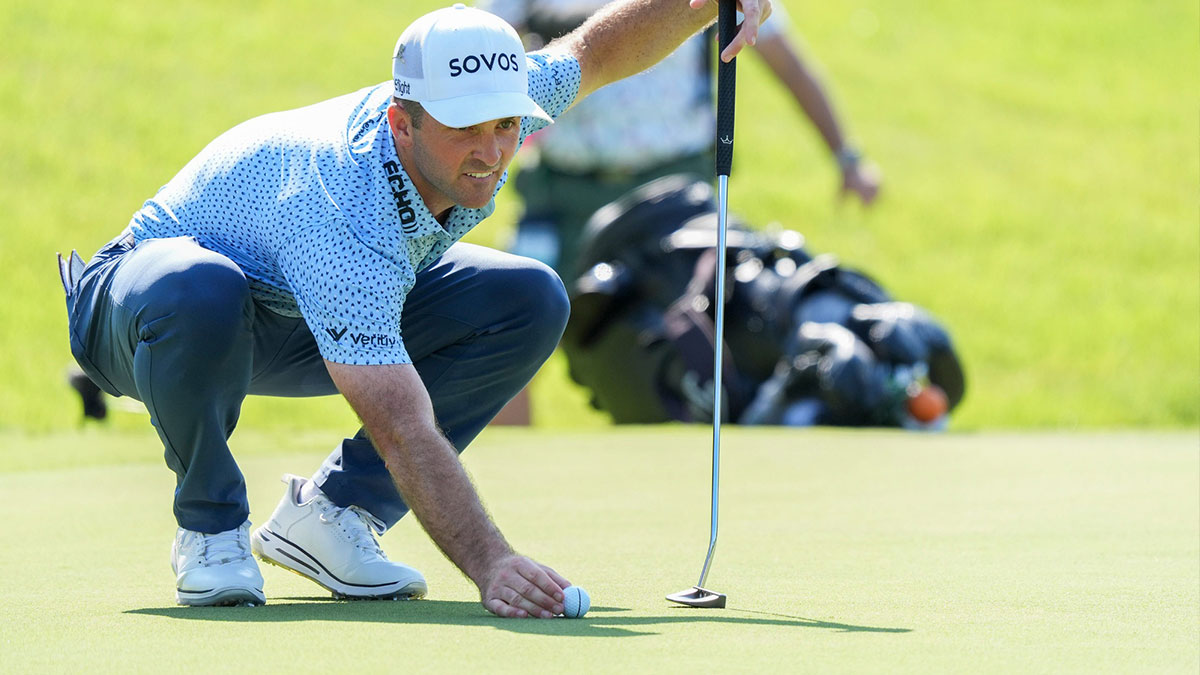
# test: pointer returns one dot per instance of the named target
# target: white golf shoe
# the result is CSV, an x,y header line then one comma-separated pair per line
x,y
333,546
216,569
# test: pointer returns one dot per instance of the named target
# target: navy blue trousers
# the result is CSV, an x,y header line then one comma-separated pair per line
x,y
173,325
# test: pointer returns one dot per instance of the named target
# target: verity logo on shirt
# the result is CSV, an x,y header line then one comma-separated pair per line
x,y
363,339
376,340
473,63
408,215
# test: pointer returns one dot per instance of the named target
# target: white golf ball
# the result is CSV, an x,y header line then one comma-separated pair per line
x,y
576,602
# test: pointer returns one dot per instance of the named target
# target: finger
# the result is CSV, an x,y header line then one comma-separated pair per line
x,y
869,185
734,47
541,589
528,599
503,609
550,582
751,18
746,35
518,587
558,579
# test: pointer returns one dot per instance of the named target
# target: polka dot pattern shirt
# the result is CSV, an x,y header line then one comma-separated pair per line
x,y
313,205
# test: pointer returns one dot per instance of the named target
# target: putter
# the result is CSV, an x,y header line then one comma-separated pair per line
x,y
698,595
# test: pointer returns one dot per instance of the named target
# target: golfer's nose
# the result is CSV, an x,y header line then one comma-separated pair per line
x,y
490,149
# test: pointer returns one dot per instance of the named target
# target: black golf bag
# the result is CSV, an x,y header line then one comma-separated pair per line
x,y
807,341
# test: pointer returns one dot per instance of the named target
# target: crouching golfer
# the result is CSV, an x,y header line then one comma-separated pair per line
x,y
314,251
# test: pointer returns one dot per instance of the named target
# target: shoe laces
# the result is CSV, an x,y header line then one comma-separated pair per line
x,y
359,524
225,547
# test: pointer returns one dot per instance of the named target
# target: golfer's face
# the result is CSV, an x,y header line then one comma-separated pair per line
x,y
463,165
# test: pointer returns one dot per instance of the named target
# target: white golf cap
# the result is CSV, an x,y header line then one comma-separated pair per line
x,y
464,66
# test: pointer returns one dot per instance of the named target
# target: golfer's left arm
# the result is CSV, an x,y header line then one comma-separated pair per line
x,y
625,38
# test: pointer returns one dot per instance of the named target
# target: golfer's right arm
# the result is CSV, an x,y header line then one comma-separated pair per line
x,y
396,411
626,37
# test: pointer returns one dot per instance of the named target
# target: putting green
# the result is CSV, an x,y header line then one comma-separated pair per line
x,y
840,551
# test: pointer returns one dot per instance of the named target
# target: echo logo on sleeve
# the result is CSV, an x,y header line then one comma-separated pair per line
x,y
404,207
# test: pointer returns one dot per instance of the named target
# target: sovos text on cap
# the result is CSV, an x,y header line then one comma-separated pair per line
x,y
464,66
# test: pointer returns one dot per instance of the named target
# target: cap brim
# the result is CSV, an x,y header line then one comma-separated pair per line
x,y
466,111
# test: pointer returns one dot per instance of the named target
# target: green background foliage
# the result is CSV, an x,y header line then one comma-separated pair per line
x,y
1042,163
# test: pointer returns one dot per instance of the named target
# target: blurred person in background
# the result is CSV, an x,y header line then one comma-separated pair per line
x,y
657,123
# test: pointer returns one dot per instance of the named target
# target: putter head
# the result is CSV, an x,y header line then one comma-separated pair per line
x,y
699,597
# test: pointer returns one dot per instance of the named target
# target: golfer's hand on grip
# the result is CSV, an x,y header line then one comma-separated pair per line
x,y
517,587
754,12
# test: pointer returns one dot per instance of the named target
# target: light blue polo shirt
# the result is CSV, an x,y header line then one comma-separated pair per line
x,y
313,205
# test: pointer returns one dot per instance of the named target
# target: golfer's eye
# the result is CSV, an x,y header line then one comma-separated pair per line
x,y
507,123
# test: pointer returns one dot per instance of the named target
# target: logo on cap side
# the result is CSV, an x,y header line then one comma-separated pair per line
x,y
402,88
494,61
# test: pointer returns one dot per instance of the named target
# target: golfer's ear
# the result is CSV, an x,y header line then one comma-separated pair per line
x,y
400,123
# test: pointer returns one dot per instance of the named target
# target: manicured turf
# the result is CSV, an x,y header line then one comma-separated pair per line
x,y
840,552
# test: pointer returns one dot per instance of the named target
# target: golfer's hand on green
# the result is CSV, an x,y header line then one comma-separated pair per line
x,y
517,587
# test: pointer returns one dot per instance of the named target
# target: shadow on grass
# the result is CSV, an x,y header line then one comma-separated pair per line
x,y
599,622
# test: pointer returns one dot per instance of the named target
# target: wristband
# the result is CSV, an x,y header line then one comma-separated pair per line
x,y
847,158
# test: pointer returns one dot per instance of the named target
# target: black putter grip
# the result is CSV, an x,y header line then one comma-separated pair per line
x,y
726,84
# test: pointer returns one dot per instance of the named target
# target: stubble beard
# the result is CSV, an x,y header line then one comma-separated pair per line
x,y
452,184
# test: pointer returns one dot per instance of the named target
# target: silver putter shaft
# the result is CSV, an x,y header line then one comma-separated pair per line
x,y
698,596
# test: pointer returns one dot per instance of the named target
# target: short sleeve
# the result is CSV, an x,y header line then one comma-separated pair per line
x,y
350,295
554,78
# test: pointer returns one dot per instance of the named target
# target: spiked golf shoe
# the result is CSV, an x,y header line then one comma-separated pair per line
x,y
333,546
216,569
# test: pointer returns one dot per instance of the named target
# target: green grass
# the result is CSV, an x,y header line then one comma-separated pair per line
x,y
840,552
1042,164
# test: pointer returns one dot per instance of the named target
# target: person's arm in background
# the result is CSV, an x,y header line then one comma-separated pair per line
x,y
783,57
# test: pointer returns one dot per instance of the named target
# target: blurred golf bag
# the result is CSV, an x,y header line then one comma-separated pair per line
x,y
807,341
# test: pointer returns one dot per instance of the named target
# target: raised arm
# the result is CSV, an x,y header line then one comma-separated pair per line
x,y
625,38
785,61
397,413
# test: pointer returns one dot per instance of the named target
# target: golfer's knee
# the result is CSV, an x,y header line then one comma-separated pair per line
x,y
543,298
209,301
